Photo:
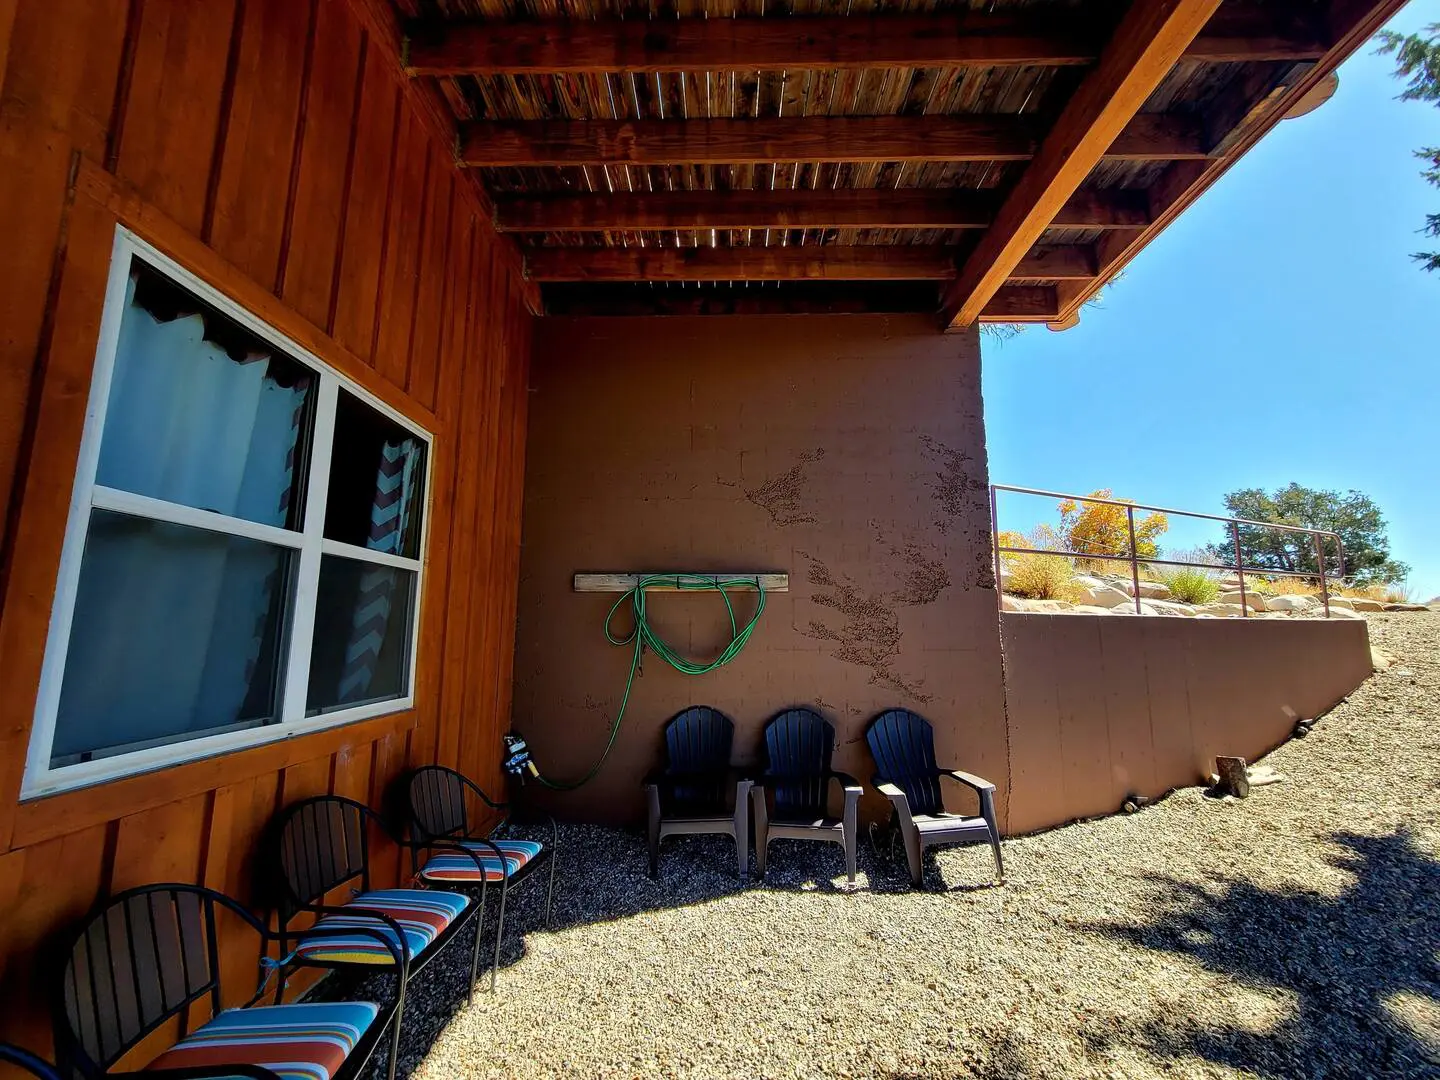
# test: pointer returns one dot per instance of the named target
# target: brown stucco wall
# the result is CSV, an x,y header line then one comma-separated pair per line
x,y
1101,706
848,451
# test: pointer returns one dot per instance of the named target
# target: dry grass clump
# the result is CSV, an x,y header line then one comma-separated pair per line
x,y
1386,592
1039,576
1283,586
1192,584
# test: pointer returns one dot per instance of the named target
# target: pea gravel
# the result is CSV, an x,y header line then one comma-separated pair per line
x,y
1293,934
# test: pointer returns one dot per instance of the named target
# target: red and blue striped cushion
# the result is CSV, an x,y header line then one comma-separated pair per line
x,y
299,1042
453,866
423,915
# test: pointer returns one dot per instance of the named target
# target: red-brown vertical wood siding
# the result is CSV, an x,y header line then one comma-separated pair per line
x,y
272,147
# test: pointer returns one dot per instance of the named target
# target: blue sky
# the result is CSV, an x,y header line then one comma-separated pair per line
x,y
1277,331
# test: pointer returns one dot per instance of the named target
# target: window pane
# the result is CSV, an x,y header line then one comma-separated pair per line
x,y
177,633
202,412
362,634
377,475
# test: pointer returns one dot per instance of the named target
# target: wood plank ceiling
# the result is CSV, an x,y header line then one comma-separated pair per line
x,y
995,162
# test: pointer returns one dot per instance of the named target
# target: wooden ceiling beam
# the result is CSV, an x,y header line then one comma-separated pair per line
x,y
790,263
843,208
1012,304
1151,37
969,38
807,138
1349,25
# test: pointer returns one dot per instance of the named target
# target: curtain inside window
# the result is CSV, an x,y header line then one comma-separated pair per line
x,y
390,513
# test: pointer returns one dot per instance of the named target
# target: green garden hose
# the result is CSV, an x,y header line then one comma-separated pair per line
x,y
642,636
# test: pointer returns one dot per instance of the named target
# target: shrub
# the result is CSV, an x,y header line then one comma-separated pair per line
x,y
1190,585
1389,592
1040,577
1103,529
1283,586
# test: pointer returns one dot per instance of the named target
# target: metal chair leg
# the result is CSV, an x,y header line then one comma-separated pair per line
x,y
499,931
475,952
550,889
395,1037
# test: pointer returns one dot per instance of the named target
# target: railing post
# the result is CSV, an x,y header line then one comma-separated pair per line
x,y
995,543
1134,558
1240,570
1320,565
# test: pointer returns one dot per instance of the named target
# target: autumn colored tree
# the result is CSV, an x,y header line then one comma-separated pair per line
x,y
1103,529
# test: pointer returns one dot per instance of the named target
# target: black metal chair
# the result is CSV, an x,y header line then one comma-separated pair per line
x,y
699,791
903,745
799,743
24,1059
151,953
440,813
323,844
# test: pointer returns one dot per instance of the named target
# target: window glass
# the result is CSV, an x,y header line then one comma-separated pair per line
x,y
377,475
176,632
202,412
361,651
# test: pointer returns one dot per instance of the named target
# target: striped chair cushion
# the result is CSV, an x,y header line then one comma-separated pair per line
x,y
422,914
452,866
300,1042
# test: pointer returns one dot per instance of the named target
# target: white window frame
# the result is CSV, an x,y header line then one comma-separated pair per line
x,y
309,545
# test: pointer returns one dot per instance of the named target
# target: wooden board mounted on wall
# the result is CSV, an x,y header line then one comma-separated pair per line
x,y
608,583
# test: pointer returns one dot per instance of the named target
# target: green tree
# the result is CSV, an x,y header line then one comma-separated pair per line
x,y
1417,59
1354,516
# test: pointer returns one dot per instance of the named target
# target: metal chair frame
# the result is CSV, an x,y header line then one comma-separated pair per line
x,y
310,866
439,816
696,777
143,958
800,743
31,1063
903,746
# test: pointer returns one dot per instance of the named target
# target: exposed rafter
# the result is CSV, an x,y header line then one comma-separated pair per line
x,y
1014,303
843,208
793,263
933,39
1151,37
1349,24
808,138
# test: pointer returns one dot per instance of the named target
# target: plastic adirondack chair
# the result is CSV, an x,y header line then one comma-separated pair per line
x,y
799,743
903,745
151,955
693,793
440,804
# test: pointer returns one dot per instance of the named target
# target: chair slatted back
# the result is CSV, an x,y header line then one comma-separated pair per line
x,y
903,745
141,960
323,844
697,743
800,743
437,803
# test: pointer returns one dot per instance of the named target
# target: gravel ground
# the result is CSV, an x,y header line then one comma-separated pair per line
x,y
1293,934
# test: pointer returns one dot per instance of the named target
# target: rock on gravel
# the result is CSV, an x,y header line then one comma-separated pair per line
x,y
1292,934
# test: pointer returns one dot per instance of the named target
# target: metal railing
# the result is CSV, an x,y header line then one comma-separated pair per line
x,y
1134,558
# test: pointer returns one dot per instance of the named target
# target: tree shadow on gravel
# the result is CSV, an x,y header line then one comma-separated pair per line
x,y
1348,962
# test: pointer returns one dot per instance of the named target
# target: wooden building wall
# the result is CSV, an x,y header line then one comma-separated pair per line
x,y
272,147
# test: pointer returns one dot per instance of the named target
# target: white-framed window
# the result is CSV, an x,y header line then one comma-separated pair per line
x,y
244,552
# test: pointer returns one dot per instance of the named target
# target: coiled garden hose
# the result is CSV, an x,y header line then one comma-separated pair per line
x,y
642,636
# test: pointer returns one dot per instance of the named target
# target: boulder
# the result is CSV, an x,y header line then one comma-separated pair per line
x,y
1016,603
1232,599
1344,613
1154,590
1219,611
1106,596
1362,603
1380,660
1086,581
1342,601
1291,602
1166,607
1091,609
1407,607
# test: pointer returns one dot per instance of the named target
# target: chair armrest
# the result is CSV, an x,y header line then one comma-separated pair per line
x,y
889,790
848,782
332,909
400,953
968,779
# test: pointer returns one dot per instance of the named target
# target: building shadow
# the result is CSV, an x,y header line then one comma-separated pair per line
x,y
1361,968
603,876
